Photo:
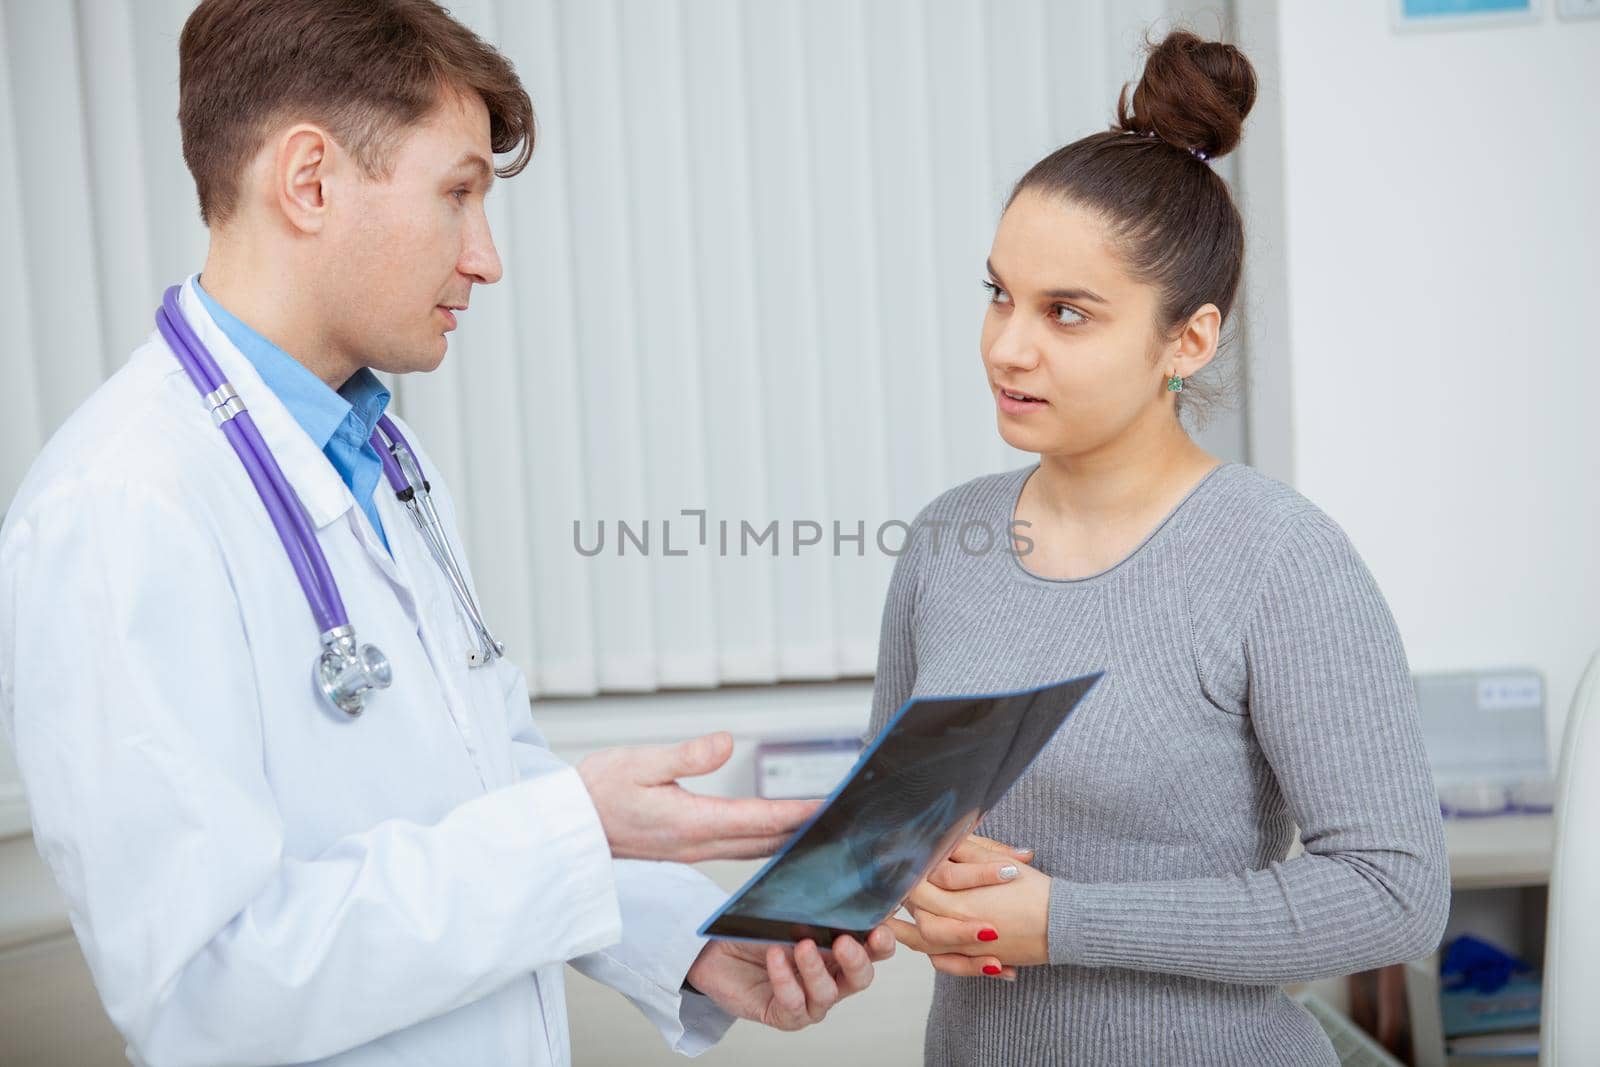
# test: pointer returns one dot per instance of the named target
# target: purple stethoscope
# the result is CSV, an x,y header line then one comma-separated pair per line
x,y
344,671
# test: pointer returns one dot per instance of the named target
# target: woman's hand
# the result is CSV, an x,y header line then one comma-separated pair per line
x,y
981,912
978,861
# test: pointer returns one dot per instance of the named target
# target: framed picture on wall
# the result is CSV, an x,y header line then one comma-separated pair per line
x,y
1459,14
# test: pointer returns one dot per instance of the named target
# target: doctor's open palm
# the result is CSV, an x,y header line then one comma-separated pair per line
x,y
648,815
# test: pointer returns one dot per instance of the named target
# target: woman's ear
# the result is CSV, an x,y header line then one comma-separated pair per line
x,y
1196,344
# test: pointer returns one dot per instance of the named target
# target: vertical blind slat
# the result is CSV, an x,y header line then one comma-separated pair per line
x,y
23,416
786,300
554,465
117,163
663,297
53,187
849,316
734,385
909,342
967,189
608,336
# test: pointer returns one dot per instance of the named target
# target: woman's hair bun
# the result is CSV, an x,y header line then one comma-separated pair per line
x,y
1194,94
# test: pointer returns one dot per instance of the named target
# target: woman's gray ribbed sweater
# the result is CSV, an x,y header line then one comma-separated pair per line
x,y
1255,682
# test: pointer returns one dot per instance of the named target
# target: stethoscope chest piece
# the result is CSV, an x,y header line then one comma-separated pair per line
x,y
345,672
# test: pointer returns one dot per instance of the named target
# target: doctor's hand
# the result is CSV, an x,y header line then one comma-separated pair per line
x,y
978,927
648,815
787,989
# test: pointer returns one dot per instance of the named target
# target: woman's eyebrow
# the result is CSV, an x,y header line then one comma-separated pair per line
x,y
1080,295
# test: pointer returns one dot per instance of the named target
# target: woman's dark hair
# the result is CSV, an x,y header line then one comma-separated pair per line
x,y
1148,176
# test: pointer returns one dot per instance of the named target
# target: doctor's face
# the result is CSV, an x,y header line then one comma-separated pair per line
x,y
415,243
1068,328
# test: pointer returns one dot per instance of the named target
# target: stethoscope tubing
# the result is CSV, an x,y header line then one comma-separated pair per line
x,y
418,499
283,506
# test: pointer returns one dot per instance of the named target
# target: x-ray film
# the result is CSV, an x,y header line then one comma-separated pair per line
x,y
922,786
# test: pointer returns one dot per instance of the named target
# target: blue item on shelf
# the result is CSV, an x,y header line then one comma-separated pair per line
x,y
1469,962
1483,989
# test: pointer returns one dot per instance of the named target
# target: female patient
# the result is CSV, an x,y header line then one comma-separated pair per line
x,y
1255,679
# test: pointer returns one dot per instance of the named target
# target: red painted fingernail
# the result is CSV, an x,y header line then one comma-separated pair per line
x,y
989,968
987,934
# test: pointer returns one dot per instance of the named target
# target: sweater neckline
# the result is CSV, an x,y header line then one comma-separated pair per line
x,y
1015,497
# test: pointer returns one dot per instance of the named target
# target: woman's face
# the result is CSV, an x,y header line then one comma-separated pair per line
x,y
1069,329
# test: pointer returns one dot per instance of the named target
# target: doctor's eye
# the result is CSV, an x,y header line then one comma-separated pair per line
x,y
460,194
997,295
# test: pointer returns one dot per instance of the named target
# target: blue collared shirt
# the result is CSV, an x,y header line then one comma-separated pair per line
x,y
341,423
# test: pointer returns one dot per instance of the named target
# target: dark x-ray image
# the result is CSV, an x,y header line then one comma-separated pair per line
x,y
910,799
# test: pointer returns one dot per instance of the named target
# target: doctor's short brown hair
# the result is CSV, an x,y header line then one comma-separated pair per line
x,y
363,69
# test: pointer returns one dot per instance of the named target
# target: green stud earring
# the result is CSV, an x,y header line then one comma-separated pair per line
x,y
1174,384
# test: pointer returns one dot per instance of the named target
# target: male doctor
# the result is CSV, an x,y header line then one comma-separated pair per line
x,y
254,877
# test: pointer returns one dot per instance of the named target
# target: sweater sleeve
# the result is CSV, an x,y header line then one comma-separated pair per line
x,y
1332,706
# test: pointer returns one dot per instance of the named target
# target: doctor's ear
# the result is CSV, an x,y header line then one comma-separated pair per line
x,y
307,161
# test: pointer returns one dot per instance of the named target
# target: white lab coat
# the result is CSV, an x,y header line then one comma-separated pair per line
x,y
253,879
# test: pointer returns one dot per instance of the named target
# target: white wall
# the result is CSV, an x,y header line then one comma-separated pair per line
x,y
1425,230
